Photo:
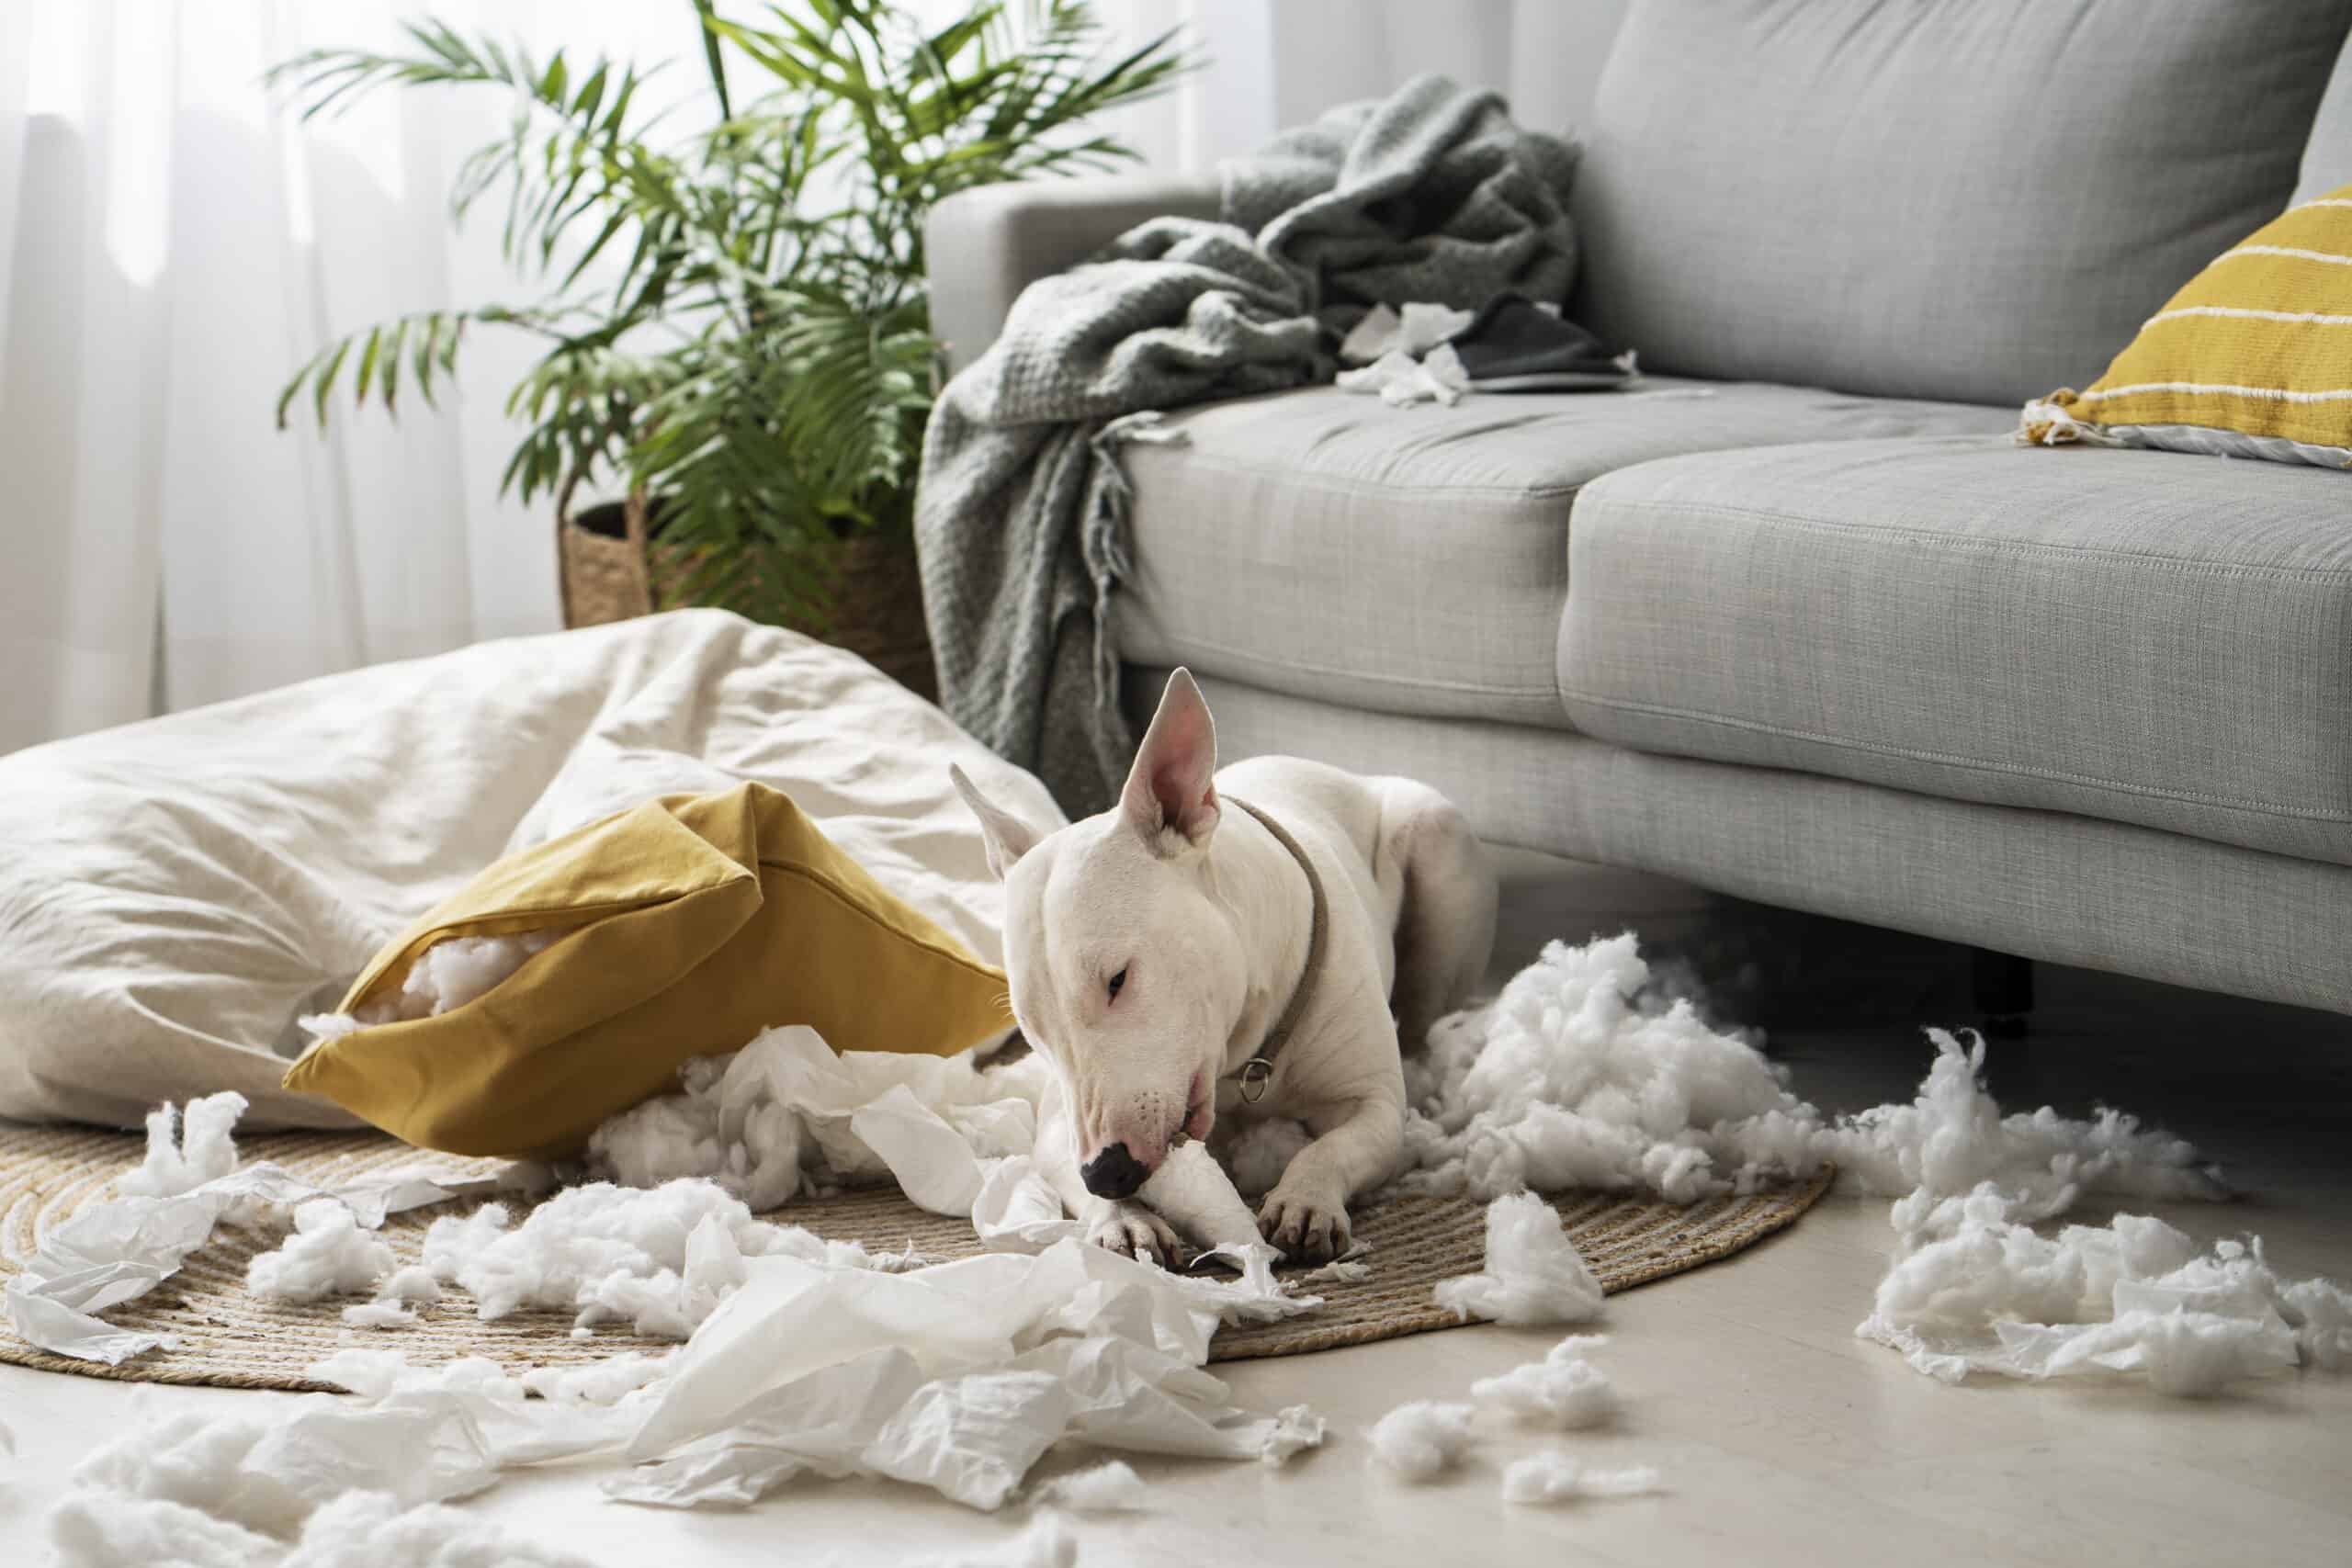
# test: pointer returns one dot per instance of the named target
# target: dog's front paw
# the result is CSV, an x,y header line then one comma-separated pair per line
x,y
1135,1231
1308,1222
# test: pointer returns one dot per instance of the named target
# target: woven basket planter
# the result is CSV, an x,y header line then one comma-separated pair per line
x,y
613,567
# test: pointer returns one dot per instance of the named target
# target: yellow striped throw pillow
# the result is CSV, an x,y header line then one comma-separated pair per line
x,y
2253,358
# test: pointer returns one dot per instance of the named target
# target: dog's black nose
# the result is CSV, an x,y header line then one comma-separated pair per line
x,y
1113,1173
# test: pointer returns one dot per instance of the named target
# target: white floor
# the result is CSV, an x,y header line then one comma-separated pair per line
x,y
1783,1440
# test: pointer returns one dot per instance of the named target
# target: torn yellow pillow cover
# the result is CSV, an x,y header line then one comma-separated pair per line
x,y
2252,358
690,924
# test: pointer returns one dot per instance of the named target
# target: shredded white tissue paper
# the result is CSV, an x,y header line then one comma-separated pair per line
x,y
1297,1427
111,1252
785,1109
1549,1478
1563,1390
1534,1274
958,1377
1111,1488
1420,1439
489,1401
1400,381
1421,326
202,1150
1192,1191
603,1383
328,1255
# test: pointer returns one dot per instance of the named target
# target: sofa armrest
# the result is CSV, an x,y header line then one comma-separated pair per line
x,y
986,245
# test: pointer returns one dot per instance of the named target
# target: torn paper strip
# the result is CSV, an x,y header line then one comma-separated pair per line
x,y
1192,1192
1296,1429
957,1378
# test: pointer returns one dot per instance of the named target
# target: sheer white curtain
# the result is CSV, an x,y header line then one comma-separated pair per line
x,y
174,244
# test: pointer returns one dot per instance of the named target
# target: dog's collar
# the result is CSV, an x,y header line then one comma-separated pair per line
x,y
1259,1070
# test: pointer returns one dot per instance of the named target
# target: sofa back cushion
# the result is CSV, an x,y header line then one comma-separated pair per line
x,y
1966,199
2327,156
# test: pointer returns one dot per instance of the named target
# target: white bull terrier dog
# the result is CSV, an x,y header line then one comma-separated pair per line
x,y
1250,942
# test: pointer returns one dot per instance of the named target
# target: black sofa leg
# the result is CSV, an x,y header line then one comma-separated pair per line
x,y
2001,985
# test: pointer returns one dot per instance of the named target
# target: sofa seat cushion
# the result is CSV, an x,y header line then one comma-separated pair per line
x,y
2144,636
1415,559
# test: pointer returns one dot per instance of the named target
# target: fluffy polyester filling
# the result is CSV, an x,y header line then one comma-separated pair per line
x,y
1563,1390
1554,1478
446,976
1422,1439
1534,1274
1581,1075
1975,1290
1419,1441
357,1529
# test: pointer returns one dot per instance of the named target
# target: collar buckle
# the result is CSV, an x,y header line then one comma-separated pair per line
x,y
1256,1074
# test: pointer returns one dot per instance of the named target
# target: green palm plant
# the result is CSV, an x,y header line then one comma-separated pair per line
x,y
755,355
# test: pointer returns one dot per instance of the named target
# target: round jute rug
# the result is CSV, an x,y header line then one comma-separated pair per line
x,y
231,1338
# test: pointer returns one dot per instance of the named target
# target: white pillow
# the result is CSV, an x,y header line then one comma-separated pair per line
x,y
174,894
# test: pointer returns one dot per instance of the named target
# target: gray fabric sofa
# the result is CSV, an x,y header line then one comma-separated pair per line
x,y
1796,620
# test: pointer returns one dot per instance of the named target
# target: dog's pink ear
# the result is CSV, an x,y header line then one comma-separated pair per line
x,y
1006,836
1169,786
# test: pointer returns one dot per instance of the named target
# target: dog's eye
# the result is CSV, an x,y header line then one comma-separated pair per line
x,y
1117,983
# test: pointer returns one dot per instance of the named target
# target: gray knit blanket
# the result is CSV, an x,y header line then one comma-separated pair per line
x,y
1431,194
